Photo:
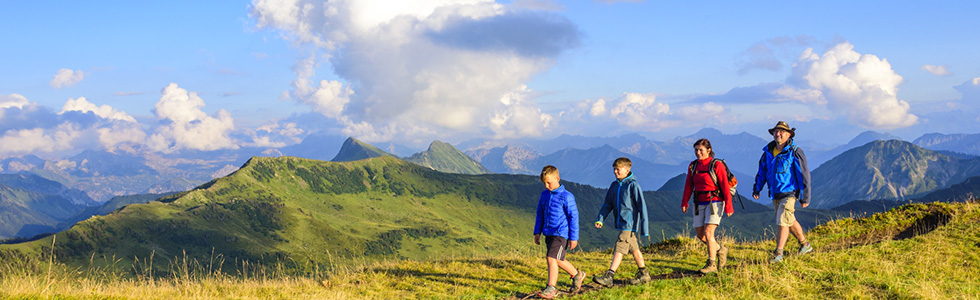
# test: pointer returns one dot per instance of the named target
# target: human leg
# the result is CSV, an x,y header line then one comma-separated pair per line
x,y
552,271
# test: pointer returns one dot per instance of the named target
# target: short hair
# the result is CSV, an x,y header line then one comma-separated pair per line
x,y
548,170
622,162
707,145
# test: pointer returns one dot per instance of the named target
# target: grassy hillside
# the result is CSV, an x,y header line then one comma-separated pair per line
x,y
911,252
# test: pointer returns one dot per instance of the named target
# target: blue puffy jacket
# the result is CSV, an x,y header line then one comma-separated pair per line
x,y
557,214
626,197
786,174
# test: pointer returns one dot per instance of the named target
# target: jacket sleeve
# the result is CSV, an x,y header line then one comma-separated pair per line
x,y
802,176
539,220
607,206
688,188
571,212
643,228
723,186
760,176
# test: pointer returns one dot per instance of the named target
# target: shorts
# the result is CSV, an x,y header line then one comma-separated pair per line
x,y
785,211
626,243
705,216
557,246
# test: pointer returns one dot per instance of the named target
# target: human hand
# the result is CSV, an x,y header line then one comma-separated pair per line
x,y
805,204
598,225
537,239
729,214
756,196
684,209
572,244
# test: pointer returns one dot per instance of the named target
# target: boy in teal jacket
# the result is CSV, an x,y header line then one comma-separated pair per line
x,y
630,218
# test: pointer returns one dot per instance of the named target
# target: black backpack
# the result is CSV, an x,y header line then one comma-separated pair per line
x,y
732,181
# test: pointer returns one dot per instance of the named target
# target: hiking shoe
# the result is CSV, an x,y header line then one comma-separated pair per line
x,y
578,279
549,292
805,249
722,256
776,259
605,280
642,276
709,267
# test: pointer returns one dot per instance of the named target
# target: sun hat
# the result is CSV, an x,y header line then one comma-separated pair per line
x,y
782,125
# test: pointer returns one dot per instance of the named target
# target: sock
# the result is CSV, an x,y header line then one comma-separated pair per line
x,y
779,252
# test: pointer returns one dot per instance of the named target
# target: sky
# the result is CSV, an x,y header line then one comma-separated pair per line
x,y
210,75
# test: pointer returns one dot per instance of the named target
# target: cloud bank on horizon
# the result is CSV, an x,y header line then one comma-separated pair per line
x,y
414,72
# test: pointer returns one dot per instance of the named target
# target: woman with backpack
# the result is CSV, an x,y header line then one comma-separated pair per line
x,y
708,182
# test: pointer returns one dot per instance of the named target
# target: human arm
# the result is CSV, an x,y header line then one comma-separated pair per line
x,y
760,176
571,213
724,186
607,206
688,188
539,219
802,177
642,229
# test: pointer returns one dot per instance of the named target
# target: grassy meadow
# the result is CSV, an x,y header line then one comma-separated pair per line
x,y
915,251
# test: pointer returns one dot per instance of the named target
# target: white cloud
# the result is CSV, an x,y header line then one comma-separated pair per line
x,y
421,69
187,126
861,86
66,78
105,111
598,108
937,70
28,141
700,112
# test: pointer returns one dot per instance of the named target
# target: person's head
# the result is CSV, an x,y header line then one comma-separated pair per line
x,y
782,133
702,149
621,167
550,178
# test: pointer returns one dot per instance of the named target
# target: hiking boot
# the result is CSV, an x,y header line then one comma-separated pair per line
x,y
642,276
605,280
578,279
709,267
805,249
776,259
549,292
722,256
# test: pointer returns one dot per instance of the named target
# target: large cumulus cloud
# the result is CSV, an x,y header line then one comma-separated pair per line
x,y
421,70
862,87
187,126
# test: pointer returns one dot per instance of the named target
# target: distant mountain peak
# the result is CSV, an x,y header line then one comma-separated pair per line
x,y
354,149
444,157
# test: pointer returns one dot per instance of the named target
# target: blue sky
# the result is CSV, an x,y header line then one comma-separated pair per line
x,y
208,75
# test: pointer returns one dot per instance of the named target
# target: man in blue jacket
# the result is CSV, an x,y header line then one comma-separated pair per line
x,y
783,167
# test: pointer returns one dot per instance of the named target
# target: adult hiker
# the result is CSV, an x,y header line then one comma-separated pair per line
x,y
783,167
709,184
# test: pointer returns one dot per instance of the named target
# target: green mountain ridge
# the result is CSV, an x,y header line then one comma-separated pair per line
x,y
354,149
884,170
446,158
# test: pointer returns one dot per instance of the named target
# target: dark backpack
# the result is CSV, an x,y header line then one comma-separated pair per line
x,y
732,181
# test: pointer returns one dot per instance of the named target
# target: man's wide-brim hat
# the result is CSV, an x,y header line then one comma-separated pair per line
x,y
782,125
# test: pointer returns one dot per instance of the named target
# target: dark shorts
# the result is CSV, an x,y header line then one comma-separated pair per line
x,y
557,246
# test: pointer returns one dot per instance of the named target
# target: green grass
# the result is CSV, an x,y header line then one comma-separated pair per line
x,y
917,251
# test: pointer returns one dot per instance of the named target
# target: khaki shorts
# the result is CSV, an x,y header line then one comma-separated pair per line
x,y
704,215
627,243
785,211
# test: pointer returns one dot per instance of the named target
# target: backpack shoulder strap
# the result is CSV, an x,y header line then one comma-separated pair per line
x,y
711,171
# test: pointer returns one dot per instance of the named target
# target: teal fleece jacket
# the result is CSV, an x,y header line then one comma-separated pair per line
x,y
626,198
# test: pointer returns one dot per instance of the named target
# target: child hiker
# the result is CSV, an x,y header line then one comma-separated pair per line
x,y
630,218
557,219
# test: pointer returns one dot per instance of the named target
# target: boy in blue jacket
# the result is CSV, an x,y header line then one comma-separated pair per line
x,y
557,219
630,218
